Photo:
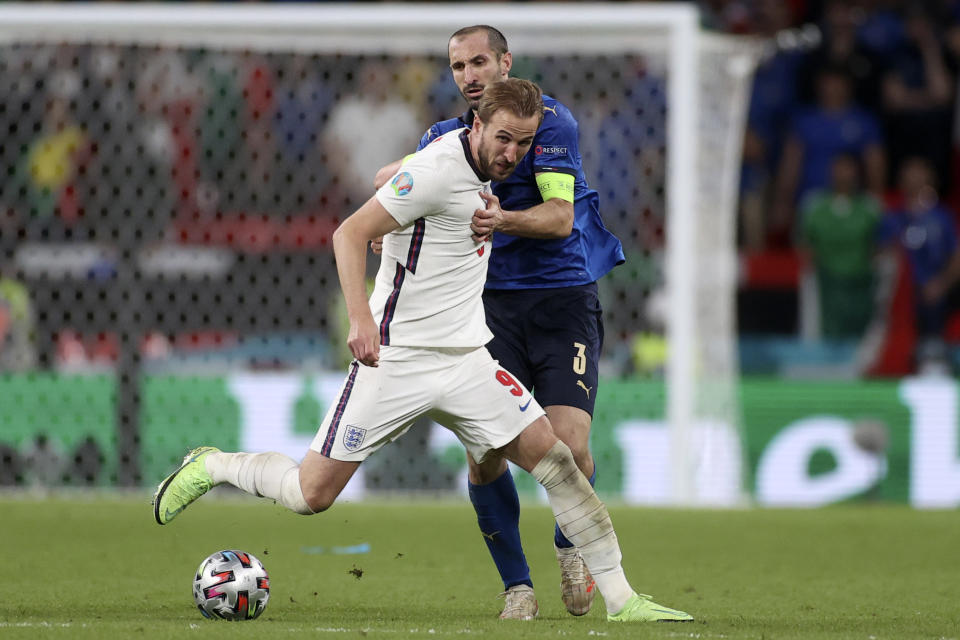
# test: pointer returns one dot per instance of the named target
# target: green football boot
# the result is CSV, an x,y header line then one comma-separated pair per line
x,y
183,486
640,608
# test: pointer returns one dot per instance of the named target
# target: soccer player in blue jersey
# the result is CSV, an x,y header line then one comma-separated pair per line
x,y
549,249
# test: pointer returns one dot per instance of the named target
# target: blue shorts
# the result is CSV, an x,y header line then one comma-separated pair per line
x,y
550,339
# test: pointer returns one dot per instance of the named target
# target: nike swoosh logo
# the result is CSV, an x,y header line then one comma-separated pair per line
x,y
169,515
523,407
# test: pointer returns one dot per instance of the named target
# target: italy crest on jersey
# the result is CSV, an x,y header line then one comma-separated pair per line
x,y
402,183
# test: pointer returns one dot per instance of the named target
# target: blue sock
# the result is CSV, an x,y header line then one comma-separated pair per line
x,y
498,514
558,538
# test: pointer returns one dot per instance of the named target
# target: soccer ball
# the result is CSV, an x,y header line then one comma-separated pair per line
x,y
232,585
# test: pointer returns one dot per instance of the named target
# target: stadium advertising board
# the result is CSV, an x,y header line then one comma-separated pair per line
x,y
57,430
805,443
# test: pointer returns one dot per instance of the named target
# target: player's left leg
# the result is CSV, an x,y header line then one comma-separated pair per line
x,y
577,588
584,521
494,415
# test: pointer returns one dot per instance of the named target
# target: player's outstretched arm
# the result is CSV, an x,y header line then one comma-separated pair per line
x,y
350,248
549,220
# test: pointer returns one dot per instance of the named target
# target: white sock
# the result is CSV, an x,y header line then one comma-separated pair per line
x,y
584,520
269,475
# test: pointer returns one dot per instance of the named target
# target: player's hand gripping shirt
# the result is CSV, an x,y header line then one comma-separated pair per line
x,y
431,277
589,252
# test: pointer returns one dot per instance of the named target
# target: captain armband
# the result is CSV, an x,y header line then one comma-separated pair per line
x,y
556,185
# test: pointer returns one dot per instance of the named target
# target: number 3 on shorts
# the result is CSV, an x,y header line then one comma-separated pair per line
x,y
580,360
508,380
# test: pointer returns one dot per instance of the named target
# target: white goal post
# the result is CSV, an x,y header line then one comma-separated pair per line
x,y
705,119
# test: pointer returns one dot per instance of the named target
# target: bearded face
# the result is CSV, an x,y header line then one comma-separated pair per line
x,y
502,142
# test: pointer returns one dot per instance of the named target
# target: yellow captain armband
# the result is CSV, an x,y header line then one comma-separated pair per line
x,y
407,157
555,185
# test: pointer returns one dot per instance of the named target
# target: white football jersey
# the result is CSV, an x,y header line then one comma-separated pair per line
x,y
432,273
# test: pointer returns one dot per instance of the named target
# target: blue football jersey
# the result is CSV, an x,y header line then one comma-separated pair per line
x,y
589,252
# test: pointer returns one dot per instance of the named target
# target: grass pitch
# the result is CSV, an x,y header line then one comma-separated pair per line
x,y
98,567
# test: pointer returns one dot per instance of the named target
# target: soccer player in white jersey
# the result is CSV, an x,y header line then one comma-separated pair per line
x,y
419,349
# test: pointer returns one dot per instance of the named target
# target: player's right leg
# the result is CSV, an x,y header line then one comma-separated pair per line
x,y
322,479
385,399
270,475
306,488
179,489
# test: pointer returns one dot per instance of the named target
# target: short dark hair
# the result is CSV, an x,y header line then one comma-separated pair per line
x,y
498,43
521,97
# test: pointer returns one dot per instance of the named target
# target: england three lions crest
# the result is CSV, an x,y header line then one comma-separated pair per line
x,y
353,437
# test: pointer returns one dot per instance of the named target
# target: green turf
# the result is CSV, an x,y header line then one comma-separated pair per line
x,y
89,567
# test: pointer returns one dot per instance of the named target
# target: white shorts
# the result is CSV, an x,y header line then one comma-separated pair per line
x,y
464,390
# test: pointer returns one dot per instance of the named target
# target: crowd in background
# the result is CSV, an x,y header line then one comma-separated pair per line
x,y
112,154
850,159
118,157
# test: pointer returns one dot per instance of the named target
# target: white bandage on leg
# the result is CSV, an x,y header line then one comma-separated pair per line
x,y
291,495
270,475
584,520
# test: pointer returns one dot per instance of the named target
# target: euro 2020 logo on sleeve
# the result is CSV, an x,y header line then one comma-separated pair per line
x,y
402,183
353,437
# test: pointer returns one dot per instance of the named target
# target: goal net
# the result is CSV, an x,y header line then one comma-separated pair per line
x,y
173,175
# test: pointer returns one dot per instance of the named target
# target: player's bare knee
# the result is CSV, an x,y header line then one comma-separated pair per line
x,y
317,495
584,459
578,439
319,499
487,471
572,425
